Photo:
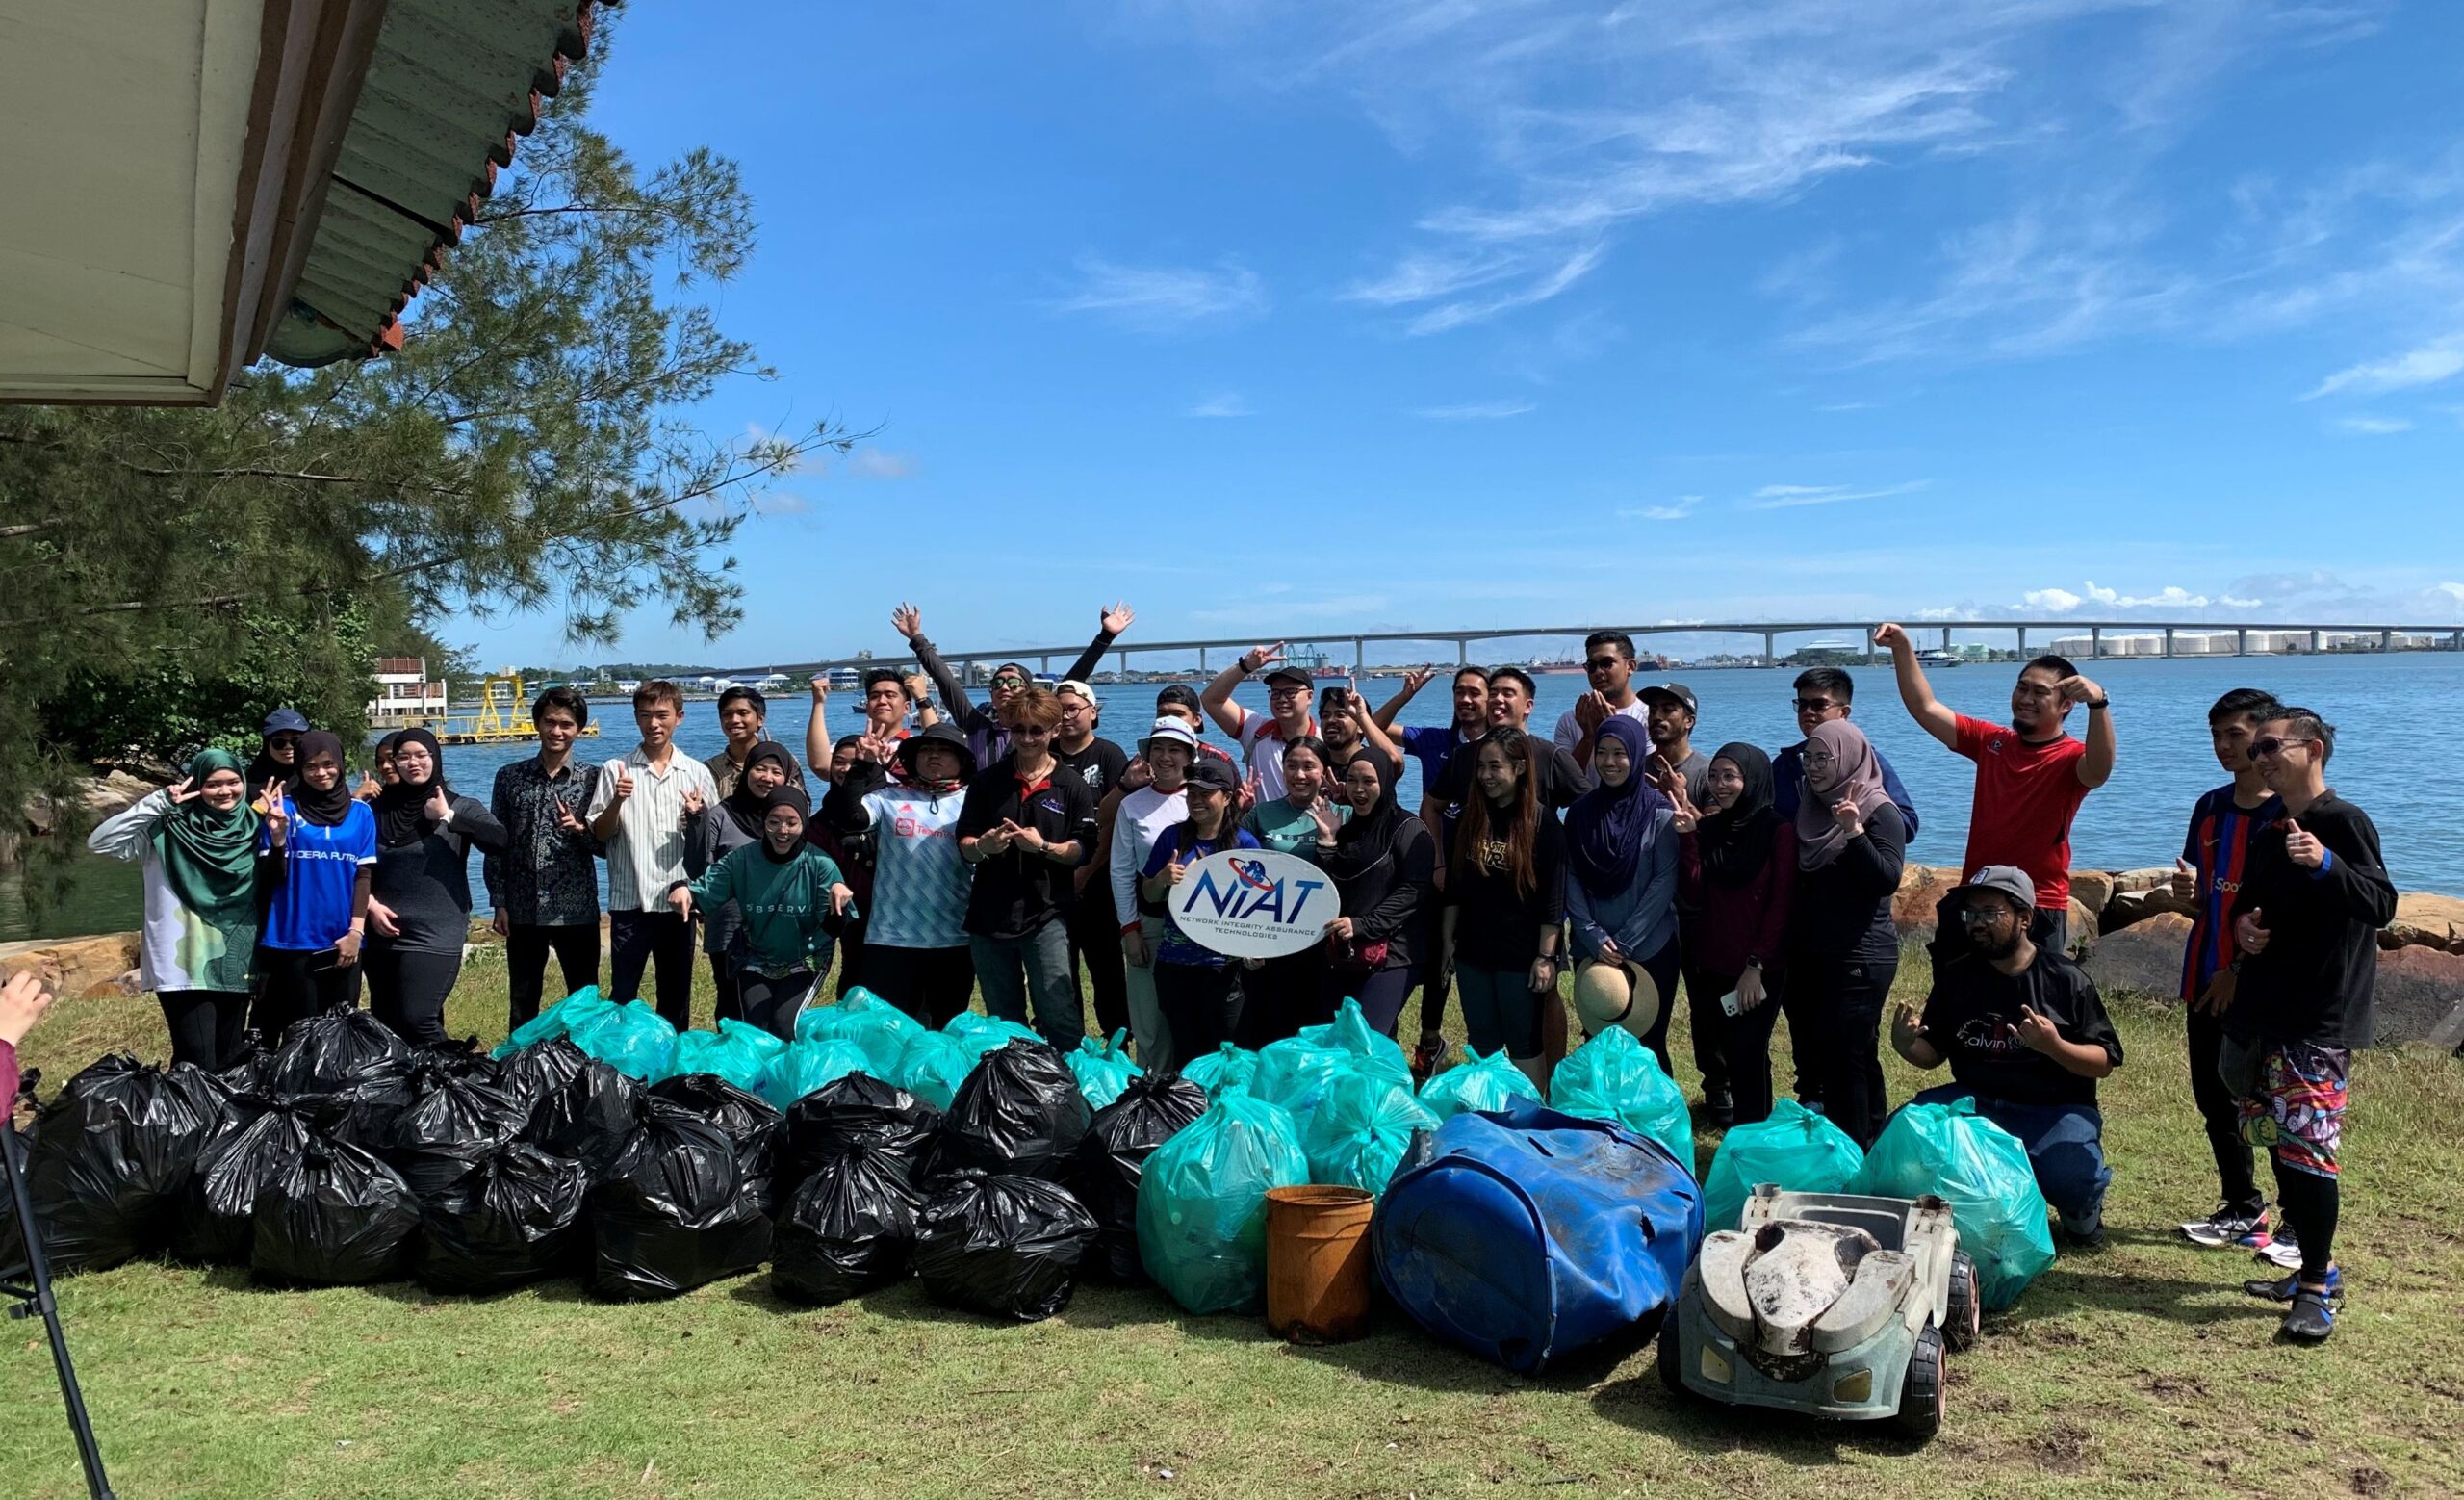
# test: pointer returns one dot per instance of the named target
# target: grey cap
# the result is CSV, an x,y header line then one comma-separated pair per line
x,y
2009,879
1676,691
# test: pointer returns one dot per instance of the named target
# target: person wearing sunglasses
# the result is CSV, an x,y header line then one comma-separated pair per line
x,y
986,729
2305,929
1609,665
277,757
1821,696
1026,823
2031,776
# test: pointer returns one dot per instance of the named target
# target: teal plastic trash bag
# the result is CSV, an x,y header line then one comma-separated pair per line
x,y
933,1067
1293,1074
819,1023
582,1006
631,1038
1202,1202
980,1034
1361,1129
715,1052
1981,1171
753,1037
1226,1066
1103,1069
1350,1032
808,1065
1796,1149
882,1029
1612,1076
1480,1086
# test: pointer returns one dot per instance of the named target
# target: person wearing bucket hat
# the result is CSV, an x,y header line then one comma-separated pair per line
x,y
1140,817
1621,893
2026,1037
1842,949
916,952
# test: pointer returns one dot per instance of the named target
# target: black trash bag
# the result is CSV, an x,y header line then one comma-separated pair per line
x,y
850,1228
536,1071
364,1110
753,1122
110,1166
857,1113
1005,1246
252,1072
589,1119
335,1217
456,1119
258,1141
1019,1112
516,1218
1151,1110
326,1053
672,1214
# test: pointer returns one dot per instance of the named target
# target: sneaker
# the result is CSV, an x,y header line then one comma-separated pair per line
x,y
1427,1056
2288,1288
2228,1227
2310,1321
2282,1250
2090,1240
1721,1105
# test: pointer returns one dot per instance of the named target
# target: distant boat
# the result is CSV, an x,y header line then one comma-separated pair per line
x,y
845,679
1939,657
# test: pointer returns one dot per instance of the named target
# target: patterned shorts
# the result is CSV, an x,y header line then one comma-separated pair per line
x,y
2298,1110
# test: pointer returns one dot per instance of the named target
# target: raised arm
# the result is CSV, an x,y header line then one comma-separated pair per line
x,y
817,743
1376,733
1108,629
1917,693
2096,766
1217,697
122,835
1414,680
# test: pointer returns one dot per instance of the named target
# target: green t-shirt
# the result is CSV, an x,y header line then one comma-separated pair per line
x,y
784,903
1286,829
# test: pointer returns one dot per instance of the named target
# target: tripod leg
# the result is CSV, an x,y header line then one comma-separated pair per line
x,y
39,1274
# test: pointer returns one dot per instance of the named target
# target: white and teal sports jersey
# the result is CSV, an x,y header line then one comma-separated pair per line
x,y
919,882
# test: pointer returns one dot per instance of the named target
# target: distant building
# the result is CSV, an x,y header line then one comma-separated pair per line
x,y
405,695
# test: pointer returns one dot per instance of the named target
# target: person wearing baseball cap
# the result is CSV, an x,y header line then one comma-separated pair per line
x,y
1261,736
1669,713
277,759
1193,984
2026,1037
1094,928
1144,813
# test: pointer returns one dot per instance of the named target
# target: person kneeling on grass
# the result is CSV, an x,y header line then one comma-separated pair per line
x,y
792,903
2027,1038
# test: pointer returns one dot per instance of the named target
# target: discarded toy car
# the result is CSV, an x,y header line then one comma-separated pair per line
x,y
1832,1303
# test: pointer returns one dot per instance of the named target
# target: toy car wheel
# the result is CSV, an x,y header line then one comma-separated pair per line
x,y
1966,1317
1920,1395
1670,1353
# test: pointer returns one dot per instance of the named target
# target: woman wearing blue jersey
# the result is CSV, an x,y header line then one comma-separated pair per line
x,y
915,954
308,952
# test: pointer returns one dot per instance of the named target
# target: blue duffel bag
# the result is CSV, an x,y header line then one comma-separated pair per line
x,y
1525,1234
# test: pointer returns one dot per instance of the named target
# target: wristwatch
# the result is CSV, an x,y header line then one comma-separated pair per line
x,y
2105,701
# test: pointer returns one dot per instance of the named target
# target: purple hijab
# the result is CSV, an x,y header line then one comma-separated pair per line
x,y
1608,827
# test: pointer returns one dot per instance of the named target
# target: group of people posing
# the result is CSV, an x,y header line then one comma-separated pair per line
x,y
1008,848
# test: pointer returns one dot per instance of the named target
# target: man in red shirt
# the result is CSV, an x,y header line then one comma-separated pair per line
x,y
2031,776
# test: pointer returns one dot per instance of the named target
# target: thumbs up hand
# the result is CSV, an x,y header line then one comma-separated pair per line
x,y
2302,846
2185,881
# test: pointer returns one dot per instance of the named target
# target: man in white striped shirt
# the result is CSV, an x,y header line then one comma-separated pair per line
x,y
643,809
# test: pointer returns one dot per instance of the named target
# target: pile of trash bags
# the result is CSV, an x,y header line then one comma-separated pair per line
x,y
1981,1171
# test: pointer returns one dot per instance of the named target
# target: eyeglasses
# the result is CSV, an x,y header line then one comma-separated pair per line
x,y
1814,758
1813,704
1983,914
1010,680
2269,746
1602,663
1286,692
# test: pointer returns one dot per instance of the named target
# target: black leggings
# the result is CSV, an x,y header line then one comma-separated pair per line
x,y
292,986
723,981
1742,1041
406,990
851,957
526,964
1196,1001
1281,996
205,1026
2221,1113
929,983
1094,944
772,1004
1843,996
1381,992
2310,1202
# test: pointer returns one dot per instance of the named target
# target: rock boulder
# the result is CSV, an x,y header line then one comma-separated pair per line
x,y
2091,888
84,967
1921,889
2152,878
2144,957
2421,998
2425,922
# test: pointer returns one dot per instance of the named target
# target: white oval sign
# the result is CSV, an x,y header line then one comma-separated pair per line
x,y
1254,903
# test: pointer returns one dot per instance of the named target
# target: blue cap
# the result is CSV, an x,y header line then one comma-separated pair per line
x,y
286,720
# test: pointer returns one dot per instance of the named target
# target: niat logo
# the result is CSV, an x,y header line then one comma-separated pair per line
x,y
1253,896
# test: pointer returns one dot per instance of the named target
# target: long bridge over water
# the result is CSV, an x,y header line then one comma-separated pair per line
x,y
1769,631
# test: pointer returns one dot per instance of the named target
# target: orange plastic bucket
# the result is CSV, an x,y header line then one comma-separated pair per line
x,y
1318,1263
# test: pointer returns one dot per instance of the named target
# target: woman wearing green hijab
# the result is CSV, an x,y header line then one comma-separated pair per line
x,y
205,888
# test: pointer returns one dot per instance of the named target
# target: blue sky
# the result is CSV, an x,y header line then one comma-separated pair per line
x,y
1312,317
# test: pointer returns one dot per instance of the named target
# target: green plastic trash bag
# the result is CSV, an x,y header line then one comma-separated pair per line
x,y
819,1023
1482,1084
763,1042
630,1038
576,1009
882,1029
1350,1032
1226,1066
809,1063
933,1067
980,1034
1361,1129
729,1057
1796,1149
1202,1202
1293,1074
1103,1069
1981,1171
1612,1076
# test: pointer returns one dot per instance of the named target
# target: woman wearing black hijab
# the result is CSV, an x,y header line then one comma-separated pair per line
x,y
1382,862
308,951
1737,867
768,767
419,908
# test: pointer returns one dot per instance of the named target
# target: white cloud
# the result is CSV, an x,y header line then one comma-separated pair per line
x,y
1683,507
1949,612
1477,411
1166,298
1226,404
2231,603
2454,591
2372,427
2061,601
2427,365
880,464
1784,497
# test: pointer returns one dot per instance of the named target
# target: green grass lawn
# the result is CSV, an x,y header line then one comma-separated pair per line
x,y
2140,1365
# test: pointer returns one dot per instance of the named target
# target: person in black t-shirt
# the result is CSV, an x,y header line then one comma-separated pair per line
x,y
2305,931
1026,823
1094,930
2027,1038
